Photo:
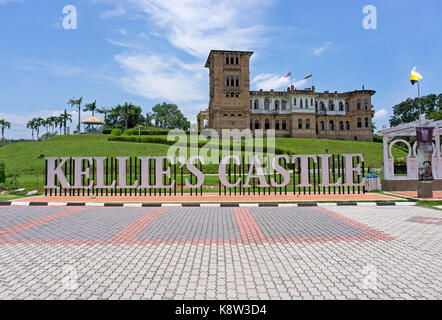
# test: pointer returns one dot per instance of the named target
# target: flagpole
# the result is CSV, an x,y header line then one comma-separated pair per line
x,y
419,98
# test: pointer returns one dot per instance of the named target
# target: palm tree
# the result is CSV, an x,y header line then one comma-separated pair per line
x,y
38,123
31,125
105,112
63,119
127,112
91,107
77,102
46,123
4,125
53,122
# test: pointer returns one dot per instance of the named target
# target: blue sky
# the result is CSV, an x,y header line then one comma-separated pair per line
x,y
150,51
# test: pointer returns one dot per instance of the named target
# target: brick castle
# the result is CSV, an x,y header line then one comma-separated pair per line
x,y
292,113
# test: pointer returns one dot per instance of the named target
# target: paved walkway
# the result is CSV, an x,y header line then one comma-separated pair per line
x,y
437,195
220,253
215,198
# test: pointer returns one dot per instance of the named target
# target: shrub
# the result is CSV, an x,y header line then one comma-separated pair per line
x,y
2,172
116,132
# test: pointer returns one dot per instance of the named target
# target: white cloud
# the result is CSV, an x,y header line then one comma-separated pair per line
x,y
121,44
6,1
380,115
57,69
163,77
197,26
117,12
267,81
320,50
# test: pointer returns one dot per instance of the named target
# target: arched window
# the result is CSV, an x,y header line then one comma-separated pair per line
x,y
283,104
332,125
322,106
266,104
331,106
277,125
276,104
267,124
359,104
307,124
300,124
300,102
256,124
366,104
284,125
341,125
347,125
322,126
294,101
256,104
341,106
359,121
366,123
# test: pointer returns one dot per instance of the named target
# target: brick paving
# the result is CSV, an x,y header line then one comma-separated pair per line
x,y
220,253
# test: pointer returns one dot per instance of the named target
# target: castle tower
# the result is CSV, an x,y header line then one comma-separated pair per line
x,y
229,106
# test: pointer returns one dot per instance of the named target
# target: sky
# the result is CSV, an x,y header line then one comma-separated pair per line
x,y
149,51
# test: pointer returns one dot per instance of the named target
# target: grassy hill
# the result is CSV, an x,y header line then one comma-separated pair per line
x,y
23,157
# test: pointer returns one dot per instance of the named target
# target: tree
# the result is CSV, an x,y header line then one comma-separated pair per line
x,y
31,125
63,119
91,107
38,123
77,102
53,123
169,116
105,112
4,125
125,116
409,110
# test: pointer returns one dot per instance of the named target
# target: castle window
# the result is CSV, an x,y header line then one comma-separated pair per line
x,y
341,125
237,60
251,104
307,124
311,102
237,81
256,104
294,101
227,81
283,104
366,104
277,125
322,104
267,124
300,124
359,104
322,126
366,123
347,125
347,107
332,125
306,102
341,106
227,59
231,60
300,102
256,124
331,106
232,94
359,121
284,125
266,104
237,94
276,104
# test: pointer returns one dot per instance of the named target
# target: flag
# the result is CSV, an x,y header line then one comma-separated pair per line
x,y
308,76
288,75
415,76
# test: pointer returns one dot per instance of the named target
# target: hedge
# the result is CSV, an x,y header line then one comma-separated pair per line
x,y
163,140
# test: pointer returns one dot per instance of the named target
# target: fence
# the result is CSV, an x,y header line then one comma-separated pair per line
x,y
234,172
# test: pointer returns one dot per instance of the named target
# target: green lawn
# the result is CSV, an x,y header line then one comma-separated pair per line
x,y
23,157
